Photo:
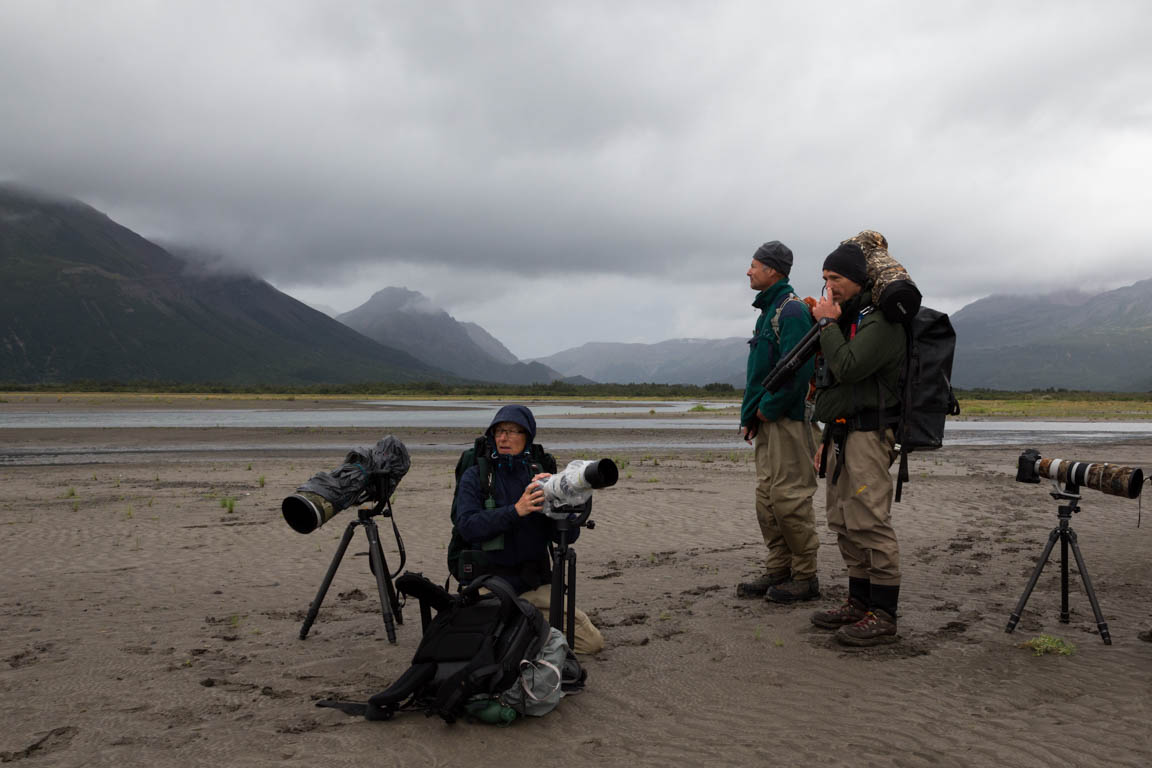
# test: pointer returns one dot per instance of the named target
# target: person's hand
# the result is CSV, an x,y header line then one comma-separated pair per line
x,y
749,433
816,459
826,308
532,500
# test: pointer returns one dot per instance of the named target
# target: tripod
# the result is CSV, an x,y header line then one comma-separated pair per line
x,y
1066,536
561,614
389,604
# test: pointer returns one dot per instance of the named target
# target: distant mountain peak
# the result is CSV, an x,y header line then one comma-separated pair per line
x,y
400,299
408,320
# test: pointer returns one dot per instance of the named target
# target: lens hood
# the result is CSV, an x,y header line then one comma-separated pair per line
x,y
602,473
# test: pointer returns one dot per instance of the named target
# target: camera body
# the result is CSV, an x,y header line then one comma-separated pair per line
x,y
822,376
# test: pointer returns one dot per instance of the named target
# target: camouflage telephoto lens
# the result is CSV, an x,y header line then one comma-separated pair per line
x,y
1112,479
305,511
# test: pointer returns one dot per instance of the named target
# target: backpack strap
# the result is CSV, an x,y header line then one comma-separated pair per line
x,y
775,321
902,475
546,460
484,464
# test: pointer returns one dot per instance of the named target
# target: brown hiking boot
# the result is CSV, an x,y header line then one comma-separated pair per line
x,y
794,591
760,586
850,612
878,627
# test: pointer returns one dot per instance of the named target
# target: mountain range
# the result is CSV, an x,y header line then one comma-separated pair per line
x,y
1067,341
1064,341
87,299
84,298
676,361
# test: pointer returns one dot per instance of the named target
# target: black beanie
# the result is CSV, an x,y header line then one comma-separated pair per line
x,y
848,260
776,255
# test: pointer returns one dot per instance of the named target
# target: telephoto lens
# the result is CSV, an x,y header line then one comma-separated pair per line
x,y
367,474
1112,479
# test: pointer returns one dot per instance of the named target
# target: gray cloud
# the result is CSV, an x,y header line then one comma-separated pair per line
x,y
591,145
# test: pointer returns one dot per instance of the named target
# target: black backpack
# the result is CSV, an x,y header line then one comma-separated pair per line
x,y
926,387
473,647
478,456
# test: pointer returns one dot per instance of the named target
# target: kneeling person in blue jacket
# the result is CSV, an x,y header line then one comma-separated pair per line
x,y
509,512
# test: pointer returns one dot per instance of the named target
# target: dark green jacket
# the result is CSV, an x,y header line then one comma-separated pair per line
x,y
867,367
766,350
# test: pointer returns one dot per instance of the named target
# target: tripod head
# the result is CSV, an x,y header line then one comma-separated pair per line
x,y
379,487
563,516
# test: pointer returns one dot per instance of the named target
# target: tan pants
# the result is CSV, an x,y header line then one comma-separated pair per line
x,y
860,508
586,638
785,483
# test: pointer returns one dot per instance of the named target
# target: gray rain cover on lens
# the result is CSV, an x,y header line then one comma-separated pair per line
x,y
344,486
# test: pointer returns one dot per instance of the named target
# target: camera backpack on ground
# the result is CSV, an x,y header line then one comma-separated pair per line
x,y
471,652
478,456
491,656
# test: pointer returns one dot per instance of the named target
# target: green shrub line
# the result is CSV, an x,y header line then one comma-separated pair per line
x,y
717,390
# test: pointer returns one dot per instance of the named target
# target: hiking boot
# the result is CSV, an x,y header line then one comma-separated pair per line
x,y
850,612
878,627
760,586
794,591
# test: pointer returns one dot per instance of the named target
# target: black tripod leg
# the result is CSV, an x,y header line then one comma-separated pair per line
x,y
1101,625
1064,614
1032,581
314,609
570,588
556,600
383,578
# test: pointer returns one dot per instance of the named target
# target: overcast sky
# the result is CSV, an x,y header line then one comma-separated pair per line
x,y
563,172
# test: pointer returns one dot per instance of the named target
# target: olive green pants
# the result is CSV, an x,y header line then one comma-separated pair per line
x,y
860,507
585,637
785,483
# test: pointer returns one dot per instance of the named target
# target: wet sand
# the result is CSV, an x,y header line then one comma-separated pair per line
x,y
146,624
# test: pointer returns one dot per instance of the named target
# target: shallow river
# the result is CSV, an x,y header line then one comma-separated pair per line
x,y
632,425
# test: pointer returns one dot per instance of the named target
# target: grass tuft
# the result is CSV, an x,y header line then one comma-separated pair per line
x,y
1042,644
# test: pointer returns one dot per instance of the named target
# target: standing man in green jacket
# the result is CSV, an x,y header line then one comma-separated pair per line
x,y
783,437
857,398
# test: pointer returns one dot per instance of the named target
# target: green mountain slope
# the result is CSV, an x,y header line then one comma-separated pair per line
x,y
1101,342
85,298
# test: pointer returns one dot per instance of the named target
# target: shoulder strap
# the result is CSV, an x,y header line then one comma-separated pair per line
x,y
480,448
780,311
546,460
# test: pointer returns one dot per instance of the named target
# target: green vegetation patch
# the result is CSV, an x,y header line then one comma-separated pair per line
x,y
1042,644
1055,405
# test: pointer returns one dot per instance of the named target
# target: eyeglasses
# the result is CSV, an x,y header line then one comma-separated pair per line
x,y
508,432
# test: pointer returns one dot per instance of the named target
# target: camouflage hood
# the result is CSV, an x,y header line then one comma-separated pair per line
x,y
869,240
893,289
